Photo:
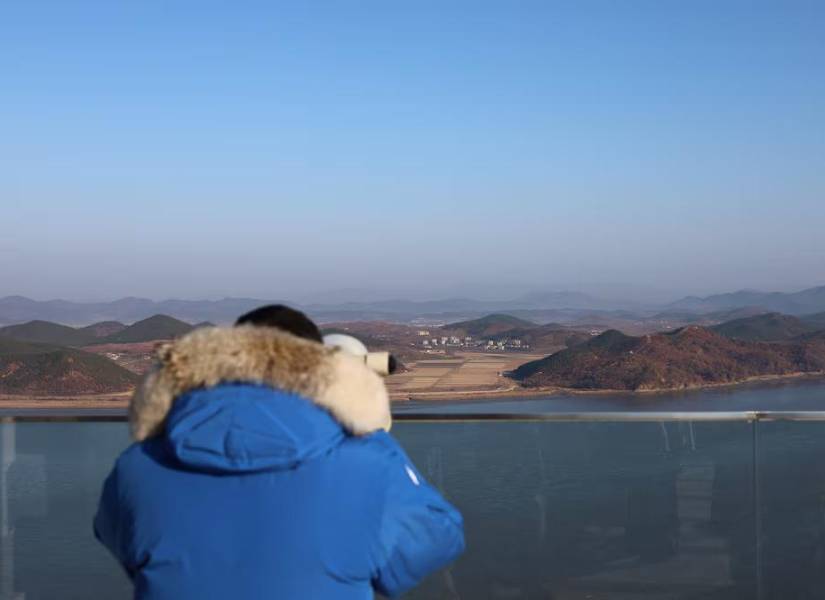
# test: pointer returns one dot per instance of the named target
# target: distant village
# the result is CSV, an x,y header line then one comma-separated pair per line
x,y
439,345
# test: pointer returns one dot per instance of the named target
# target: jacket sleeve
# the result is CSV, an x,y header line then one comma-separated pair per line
x,y
420,532
108,526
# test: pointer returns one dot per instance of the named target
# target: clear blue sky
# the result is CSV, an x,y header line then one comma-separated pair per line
x,y
196,149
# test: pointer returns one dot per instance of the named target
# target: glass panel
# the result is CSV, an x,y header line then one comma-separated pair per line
x,y
791,496
594,510
552,509
51,479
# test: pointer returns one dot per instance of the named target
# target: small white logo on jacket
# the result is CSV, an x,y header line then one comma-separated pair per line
x,y
413,476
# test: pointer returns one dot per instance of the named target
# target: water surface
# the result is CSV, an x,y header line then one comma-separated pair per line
x,y
665,510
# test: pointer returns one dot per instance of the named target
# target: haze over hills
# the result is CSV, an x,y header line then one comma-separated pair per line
x,y
711,318
690,357
769,327
17,309
535,306
807,301
45,369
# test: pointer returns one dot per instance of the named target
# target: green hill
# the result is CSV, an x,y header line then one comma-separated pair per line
x,y
769,327
44,369
46,332
490,325
159,327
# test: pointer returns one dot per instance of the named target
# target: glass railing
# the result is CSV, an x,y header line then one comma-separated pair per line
x,y
597,505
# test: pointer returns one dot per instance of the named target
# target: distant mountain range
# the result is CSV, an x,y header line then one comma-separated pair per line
x,y
807,301
18,309
536,306
157,327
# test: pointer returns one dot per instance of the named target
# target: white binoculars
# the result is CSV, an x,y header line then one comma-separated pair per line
x,y
382,363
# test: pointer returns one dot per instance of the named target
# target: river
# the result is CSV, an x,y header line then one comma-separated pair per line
x,y
658,510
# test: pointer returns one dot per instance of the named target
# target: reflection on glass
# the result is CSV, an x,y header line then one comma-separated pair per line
x,y
595,510
52,473
599,510
7,456
791,460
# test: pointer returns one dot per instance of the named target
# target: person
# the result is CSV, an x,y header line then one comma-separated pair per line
x,y
263,468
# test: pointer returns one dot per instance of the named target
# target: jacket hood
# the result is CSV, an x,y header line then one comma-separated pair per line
x,y
210,357
246,427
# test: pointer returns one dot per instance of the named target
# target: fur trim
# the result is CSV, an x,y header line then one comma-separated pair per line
x,y
208,356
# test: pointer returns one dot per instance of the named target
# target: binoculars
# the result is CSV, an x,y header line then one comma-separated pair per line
x,y
382,363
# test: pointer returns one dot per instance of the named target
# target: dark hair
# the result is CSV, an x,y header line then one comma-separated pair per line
x,y
285,318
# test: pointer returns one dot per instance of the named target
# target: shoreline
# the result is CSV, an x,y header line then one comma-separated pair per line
x,y
519,392
52,401
121,400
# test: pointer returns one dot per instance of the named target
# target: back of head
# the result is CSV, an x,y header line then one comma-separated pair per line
x,y
209,429
283,318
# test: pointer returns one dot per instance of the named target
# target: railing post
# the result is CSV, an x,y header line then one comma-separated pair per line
x,y
7,456
757,507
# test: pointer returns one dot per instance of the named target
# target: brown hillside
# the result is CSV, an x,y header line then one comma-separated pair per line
x,y
689,357
37,369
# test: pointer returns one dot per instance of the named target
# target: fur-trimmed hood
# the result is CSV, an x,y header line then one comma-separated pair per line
x,y
338,382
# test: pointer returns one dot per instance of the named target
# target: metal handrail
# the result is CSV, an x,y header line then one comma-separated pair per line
x,y
78,415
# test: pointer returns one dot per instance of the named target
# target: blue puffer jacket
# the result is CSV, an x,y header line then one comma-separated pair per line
x,y
261,480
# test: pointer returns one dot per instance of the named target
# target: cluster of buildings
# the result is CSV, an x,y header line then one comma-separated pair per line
x,y
452,341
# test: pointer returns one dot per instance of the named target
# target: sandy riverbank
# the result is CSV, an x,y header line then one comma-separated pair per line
x,y
467,377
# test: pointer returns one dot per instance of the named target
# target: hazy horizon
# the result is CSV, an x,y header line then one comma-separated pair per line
x,y
654,298
636,151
